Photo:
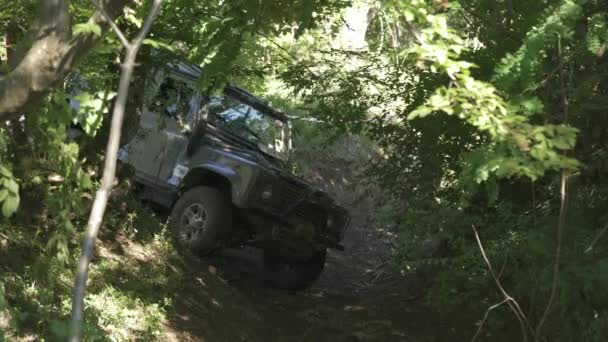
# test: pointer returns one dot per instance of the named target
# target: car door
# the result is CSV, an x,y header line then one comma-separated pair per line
x,y
162,133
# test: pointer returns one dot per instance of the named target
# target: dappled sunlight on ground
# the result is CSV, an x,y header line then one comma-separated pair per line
x,y
141,288
359,296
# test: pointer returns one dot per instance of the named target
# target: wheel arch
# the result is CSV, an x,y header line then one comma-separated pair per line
x,y
201,176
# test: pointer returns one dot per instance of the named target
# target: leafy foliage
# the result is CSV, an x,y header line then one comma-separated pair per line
x,y
476,106
500,70
9,195
597,35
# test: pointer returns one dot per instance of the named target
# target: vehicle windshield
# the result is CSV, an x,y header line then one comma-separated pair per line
x,y
263,130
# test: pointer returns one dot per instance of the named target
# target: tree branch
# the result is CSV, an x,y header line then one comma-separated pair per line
x,y
53,18
109,173
596,239
121,36
485,318
52,55
513,305
295,58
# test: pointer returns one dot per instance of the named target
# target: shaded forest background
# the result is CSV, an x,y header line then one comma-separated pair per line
x,y
487,120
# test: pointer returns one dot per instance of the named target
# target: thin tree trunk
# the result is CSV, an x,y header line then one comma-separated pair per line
x,y
109,173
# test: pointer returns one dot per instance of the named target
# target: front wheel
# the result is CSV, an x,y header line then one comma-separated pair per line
x,y
200,218
293,275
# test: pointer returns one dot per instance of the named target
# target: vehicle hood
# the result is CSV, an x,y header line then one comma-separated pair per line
x,y
244,150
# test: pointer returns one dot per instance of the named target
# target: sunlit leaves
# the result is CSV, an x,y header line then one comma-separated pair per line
x,y
9,192
87,27
597,34
528,150
524,67
91,110
65,191
215,34
157,44
130,17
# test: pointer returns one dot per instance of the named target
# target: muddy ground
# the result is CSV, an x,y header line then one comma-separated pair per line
x,y
361,296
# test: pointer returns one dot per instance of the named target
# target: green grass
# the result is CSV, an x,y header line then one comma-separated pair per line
x,y
130,283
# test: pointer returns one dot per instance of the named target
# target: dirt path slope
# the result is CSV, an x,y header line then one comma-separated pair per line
x,y
359,296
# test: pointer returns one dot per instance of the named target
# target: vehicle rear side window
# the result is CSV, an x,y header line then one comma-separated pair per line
x,y
175,99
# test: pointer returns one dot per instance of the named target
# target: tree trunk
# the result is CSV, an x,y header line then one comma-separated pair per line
x,y
53,54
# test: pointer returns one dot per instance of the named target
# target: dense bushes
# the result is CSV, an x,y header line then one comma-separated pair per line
x,y
483,111
481,108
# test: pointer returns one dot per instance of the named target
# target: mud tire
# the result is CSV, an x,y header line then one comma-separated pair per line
x,y
201,233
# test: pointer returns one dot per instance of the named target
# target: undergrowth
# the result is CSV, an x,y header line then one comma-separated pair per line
x,y
130,284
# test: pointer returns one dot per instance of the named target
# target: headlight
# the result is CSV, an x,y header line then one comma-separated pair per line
x,y
267,194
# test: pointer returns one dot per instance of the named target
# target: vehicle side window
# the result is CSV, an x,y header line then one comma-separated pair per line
x,y
175,99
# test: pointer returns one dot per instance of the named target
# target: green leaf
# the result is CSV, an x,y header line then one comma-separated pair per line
x,y
158,44
3,194
5,172
87,27
134,20
10,205
11,185
419,112
597,34
409,16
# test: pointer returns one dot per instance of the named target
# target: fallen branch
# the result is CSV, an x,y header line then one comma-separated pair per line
x,y
596,239
109,173
513,304
485,318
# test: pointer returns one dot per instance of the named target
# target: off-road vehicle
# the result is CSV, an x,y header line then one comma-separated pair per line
x,y
218,162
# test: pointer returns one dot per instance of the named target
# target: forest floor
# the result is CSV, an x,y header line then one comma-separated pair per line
x,y
142,288
360,296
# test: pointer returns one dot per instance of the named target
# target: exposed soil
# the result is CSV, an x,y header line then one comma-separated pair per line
x,y
359,297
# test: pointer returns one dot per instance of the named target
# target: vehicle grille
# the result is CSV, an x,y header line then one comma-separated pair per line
x,y
286,195
291,194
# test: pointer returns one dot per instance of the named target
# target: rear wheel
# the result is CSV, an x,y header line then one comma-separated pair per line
x,y
293,275
200,219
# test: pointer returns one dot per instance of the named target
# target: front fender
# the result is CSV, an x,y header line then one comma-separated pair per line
x,y
237,178
233,176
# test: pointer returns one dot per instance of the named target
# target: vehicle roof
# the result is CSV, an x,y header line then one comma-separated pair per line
x,y
192,73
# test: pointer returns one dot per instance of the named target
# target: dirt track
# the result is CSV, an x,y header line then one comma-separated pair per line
x,y
359,296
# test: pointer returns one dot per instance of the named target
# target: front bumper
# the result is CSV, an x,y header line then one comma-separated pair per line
x,y
292,202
